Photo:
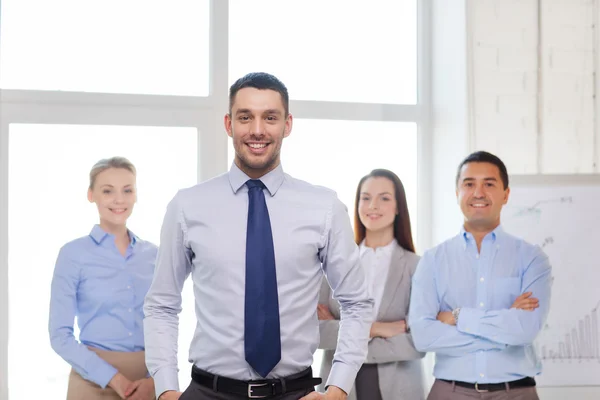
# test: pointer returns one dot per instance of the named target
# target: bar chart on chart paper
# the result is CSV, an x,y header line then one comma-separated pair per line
x,y
579,343
565,222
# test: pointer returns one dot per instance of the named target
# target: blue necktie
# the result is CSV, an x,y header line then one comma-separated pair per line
x,y
262,342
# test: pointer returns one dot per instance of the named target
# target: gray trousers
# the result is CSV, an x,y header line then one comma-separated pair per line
x,y
447,391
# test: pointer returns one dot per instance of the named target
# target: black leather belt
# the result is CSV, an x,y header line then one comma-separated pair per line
x,y
258,389
494,387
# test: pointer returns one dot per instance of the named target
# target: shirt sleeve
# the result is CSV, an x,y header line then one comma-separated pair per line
x,y
63,309
328,329
513,326
163,302
428,333
341,264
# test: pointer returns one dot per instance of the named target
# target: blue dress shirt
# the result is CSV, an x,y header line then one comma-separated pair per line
x,y
491,343
204,234
105,290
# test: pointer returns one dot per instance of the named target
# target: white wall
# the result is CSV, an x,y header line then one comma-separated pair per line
x,y
503,60
486,95
449,112
533,85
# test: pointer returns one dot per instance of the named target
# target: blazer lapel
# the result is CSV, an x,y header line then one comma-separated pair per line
x,y
396,275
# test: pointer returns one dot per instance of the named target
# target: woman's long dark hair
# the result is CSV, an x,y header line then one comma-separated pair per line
x,y
402,231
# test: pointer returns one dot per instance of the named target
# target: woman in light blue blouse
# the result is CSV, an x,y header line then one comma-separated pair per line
x,y
102,279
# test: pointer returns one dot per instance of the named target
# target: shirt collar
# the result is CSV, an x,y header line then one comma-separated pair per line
x,y
134,238
493,235
387,249
272,179
98,235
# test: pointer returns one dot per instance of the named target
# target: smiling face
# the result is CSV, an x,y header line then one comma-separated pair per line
x,y
377,207
481,196
257,124
114,193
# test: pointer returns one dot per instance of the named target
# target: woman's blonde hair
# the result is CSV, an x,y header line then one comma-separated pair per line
x,y
106,163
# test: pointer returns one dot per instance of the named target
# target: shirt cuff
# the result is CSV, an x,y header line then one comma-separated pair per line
x,y
102,373
468,320
342,376
166,379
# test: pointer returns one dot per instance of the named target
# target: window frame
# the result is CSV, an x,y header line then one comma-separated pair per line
x,y
205,114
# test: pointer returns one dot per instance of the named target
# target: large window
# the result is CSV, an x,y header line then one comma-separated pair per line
x,y
82,80
110,46
331,50
48,180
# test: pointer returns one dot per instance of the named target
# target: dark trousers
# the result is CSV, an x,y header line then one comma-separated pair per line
x,y
197,392
367,383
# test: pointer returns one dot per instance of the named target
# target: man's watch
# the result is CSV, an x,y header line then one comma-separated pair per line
x,y
455,314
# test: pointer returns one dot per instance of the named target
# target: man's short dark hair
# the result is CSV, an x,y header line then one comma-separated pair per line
x,y
485,157
261,81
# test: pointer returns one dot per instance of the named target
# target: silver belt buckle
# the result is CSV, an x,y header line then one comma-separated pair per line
x,y
251,387
479,390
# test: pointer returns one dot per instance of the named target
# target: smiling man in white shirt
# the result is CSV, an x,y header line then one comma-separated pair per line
x,y
256,242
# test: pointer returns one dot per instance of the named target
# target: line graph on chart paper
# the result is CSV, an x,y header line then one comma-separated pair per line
x,y
565,222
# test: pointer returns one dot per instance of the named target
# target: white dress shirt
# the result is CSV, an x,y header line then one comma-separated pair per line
x,y
376,262
204,233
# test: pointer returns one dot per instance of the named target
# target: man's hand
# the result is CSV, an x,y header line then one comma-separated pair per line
x,y
387,330
323,312
119,384
526,302
446,317
142,389
170,395
332,393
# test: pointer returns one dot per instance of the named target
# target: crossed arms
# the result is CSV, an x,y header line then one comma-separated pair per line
x,y
478,329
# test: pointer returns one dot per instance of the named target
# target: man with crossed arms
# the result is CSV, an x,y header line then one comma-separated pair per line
x,y
479,299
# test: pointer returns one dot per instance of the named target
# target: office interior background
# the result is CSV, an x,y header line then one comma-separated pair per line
x,y
408,85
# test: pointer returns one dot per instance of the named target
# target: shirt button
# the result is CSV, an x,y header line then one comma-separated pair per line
x,y
130,310
481,375
477,256
481,279
129,287
130,334
481,304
